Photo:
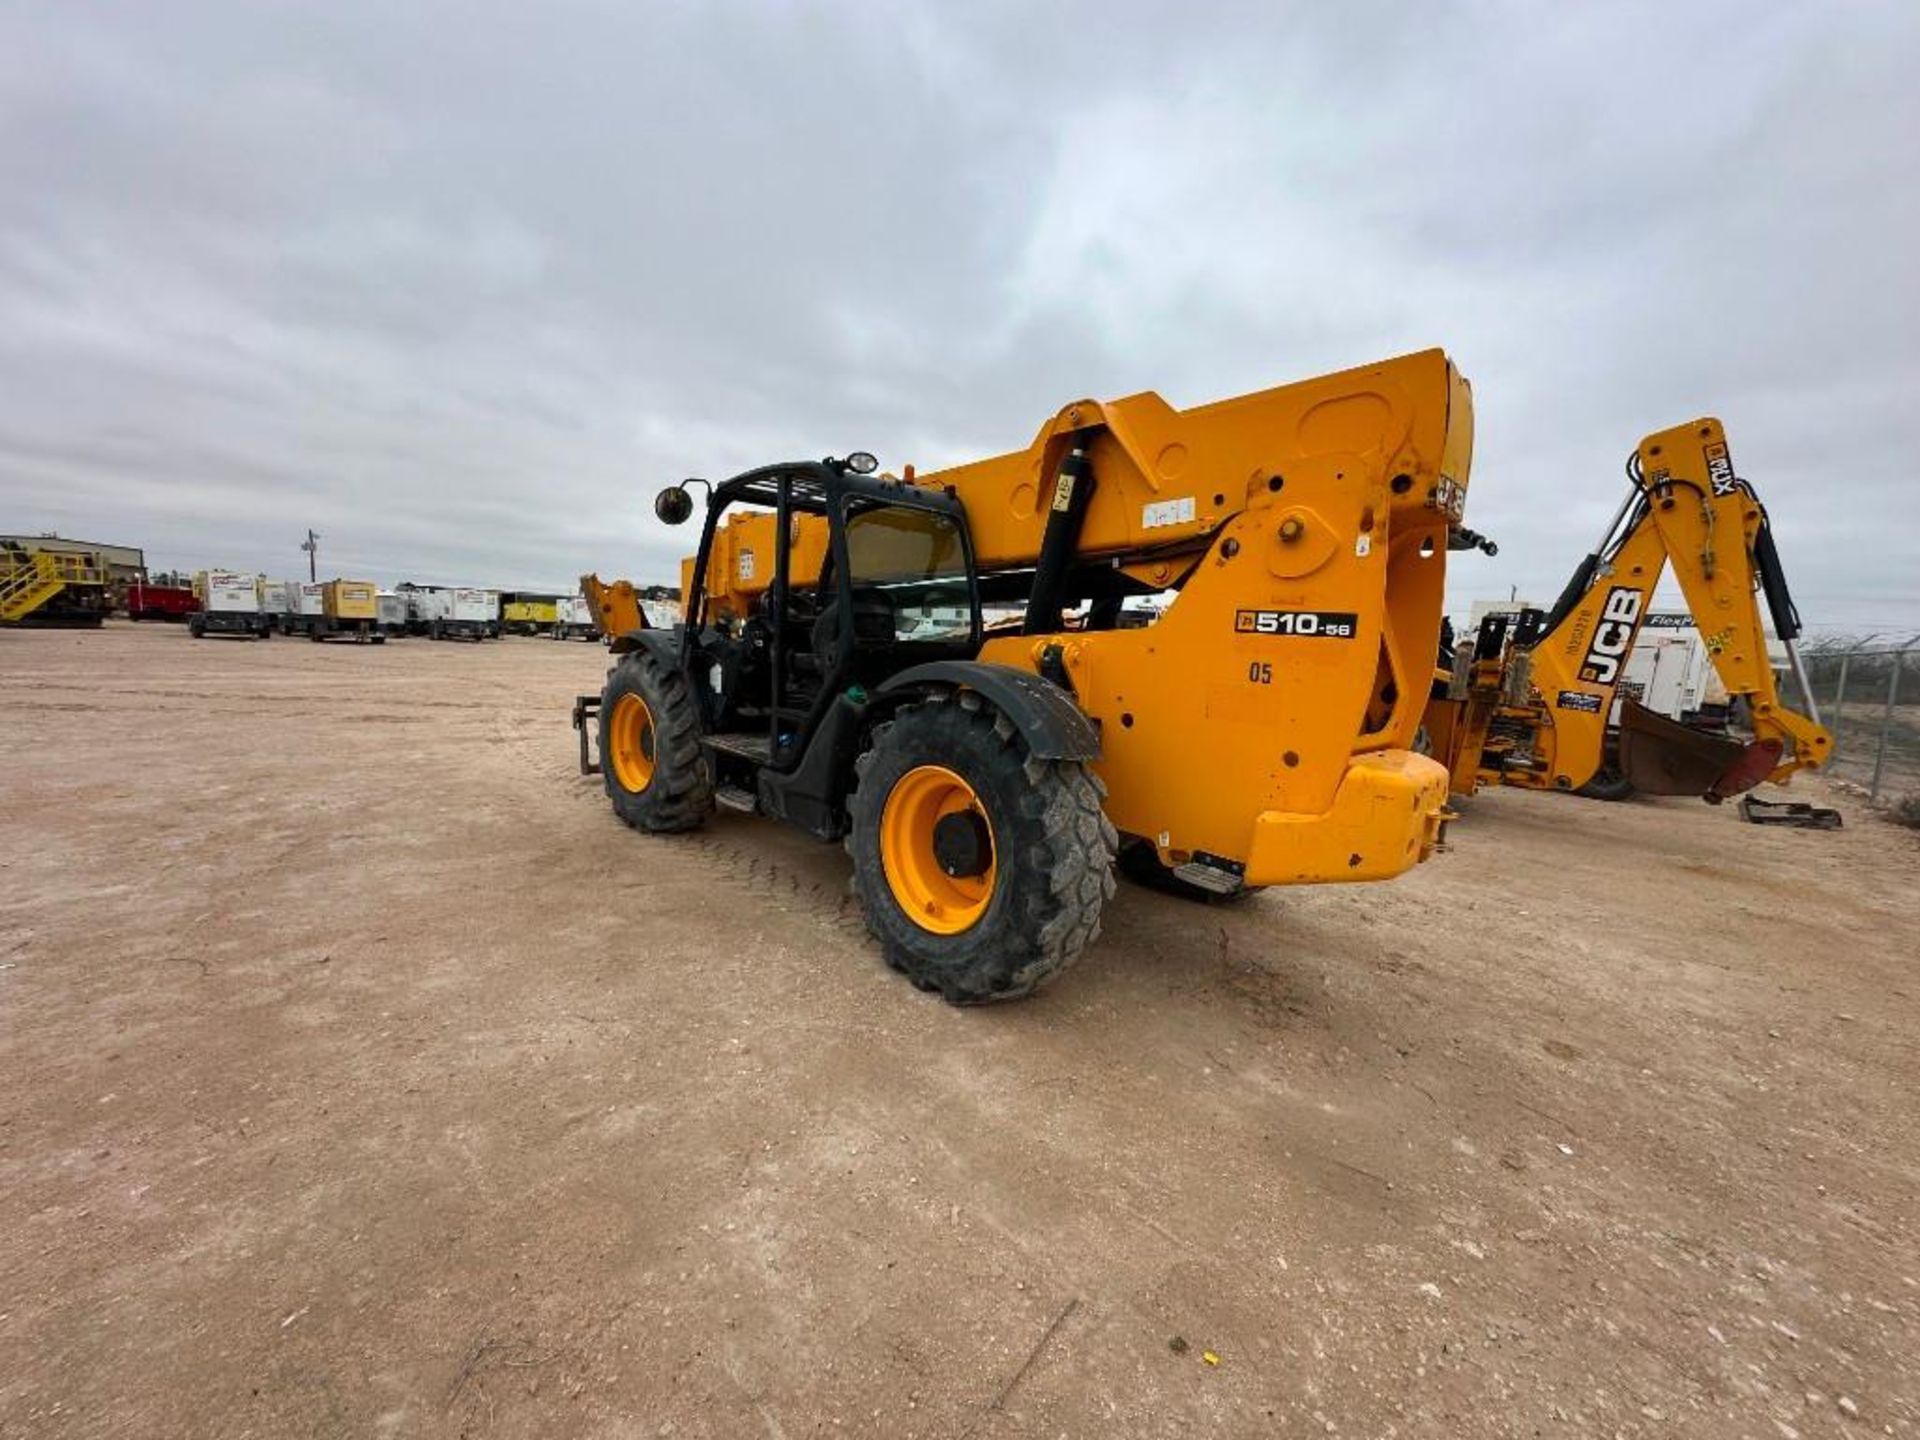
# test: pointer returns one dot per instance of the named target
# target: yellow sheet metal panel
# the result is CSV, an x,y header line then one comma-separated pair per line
x,y
352,600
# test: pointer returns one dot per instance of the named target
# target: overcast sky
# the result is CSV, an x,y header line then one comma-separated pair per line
x,y
460,286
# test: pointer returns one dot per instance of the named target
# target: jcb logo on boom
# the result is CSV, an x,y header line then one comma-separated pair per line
x,y
1612,637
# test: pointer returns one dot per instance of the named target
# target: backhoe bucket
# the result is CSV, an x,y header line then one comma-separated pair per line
x,y
1663,757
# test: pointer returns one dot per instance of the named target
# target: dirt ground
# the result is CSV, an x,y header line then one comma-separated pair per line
x,y
360,1075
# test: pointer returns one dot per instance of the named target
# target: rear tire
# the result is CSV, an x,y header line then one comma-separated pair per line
x,y
651,761
1607,782
1003,932
1140,863
197,627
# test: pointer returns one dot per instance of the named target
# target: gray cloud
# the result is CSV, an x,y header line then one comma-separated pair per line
x,y
458,286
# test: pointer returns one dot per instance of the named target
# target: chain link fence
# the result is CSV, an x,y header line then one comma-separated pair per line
x,y
1868,695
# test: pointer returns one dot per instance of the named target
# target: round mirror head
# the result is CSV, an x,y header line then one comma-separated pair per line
x,y
862,462
673,505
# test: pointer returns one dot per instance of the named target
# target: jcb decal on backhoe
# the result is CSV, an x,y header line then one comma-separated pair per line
x,y
1331,624
1612,637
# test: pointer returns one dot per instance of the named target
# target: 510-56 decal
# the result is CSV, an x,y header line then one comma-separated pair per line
x,y
1325,624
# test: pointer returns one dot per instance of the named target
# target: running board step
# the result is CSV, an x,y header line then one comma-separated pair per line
x,y
734,798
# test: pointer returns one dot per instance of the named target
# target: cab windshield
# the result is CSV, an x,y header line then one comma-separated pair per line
x,y
914,562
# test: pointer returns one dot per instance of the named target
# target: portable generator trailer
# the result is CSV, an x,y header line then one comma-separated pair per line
x,y
229,605
147,601
573,619
393,615
1257,731
350,610
306,602
530,614
464,613
425,604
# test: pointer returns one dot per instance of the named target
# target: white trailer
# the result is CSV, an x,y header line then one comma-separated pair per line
x,y
470,615
229,605
273,598
573,619
425,605
306,610
1670,671
393,613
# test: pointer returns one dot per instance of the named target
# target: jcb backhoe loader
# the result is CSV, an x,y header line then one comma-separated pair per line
x,y
943,671
1530,699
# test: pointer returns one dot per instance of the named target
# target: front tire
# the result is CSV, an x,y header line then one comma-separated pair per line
x,y
650,757
981,868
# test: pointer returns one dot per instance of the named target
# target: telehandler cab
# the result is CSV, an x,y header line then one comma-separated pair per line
x,y
943,670
1529,700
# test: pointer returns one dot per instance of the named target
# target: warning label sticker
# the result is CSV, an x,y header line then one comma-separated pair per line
x,y
1167,512
1578,700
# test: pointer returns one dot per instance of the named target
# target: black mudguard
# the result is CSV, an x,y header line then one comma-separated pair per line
x,y
1046,715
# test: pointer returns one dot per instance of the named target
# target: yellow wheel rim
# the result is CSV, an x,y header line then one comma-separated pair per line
x,y
925,888
630,743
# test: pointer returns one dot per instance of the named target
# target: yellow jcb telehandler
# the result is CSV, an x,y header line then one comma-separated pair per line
x,y
945,671
1530,699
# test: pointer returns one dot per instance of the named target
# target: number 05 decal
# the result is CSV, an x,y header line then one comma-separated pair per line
x,y
1326,624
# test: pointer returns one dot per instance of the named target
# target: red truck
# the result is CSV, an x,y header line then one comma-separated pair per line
x,y
160,602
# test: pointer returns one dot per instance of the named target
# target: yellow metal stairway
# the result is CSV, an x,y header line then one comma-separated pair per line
x,y
28,581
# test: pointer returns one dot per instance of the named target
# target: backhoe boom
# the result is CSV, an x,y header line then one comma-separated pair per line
x,y
1537,712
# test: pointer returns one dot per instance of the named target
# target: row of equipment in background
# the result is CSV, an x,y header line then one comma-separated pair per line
x,y
225,602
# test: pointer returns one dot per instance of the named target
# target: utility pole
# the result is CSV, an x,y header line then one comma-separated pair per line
x,y
312,546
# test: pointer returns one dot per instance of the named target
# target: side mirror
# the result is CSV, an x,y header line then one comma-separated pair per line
x,y
673,505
